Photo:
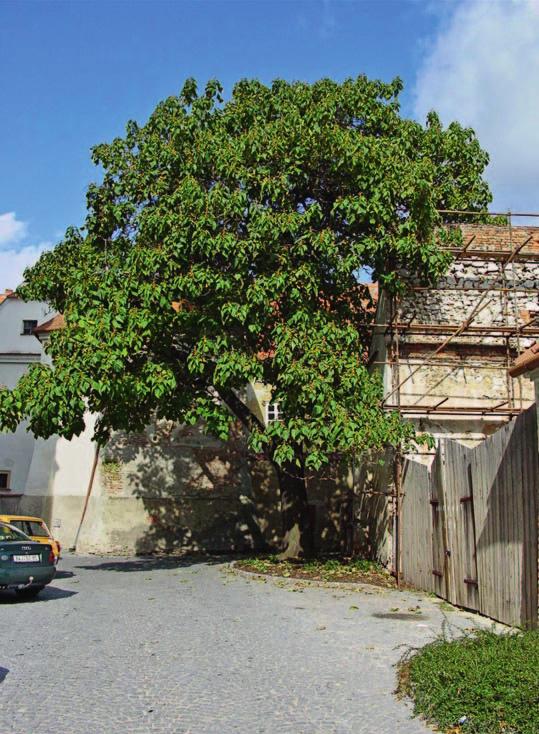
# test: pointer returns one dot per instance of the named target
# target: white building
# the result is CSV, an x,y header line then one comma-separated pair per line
x,y
18,350
34,473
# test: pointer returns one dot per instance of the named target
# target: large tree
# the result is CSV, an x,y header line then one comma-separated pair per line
x,y
223,246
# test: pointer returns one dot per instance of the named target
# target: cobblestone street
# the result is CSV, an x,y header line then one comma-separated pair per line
x,y
144,645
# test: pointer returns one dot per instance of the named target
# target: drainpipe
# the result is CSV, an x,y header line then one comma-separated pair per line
x,y
87,498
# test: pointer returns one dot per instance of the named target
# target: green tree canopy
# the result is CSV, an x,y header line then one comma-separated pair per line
x,y
223,246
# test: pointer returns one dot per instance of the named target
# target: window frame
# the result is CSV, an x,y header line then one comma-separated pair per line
x,y
34,323
7,473
274,409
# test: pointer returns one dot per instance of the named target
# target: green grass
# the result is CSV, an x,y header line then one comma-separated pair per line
x,y
333,566
491,679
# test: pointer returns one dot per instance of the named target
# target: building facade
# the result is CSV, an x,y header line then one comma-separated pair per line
x,y
18,350
170,488
444,353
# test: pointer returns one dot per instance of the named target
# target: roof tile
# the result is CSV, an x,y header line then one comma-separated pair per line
x,y
57,322
526,362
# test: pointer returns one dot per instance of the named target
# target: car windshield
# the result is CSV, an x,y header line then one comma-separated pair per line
x,y
31,527
8,533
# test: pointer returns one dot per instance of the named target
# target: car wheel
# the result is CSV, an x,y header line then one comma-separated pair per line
x,y
30,593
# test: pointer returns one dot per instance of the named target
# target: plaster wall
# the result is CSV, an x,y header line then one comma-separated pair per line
x,y
16,450
17,353
257,397
172,488
13,312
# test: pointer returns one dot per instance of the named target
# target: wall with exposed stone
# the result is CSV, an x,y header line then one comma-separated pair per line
x,y
171,488
469,373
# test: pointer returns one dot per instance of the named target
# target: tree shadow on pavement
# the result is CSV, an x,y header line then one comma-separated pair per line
x,y
157,563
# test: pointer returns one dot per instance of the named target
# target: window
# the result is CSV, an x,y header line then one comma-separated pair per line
x,y
28,326
4,480
37,529
273,413
30,527
8,533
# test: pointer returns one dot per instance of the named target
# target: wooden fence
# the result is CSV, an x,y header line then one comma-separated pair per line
x,y
469,523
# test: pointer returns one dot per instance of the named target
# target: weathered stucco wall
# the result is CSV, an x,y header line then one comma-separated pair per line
x,y
171,488
194,492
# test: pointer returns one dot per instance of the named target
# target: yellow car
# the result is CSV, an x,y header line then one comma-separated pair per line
x,y
35,528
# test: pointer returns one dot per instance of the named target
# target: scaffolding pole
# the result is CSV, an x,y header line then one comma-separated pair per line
x,y
503,332
396,330
473,313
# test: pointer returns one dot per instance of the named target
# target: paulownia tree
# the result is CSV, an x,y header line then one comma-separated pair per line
x,y
223,246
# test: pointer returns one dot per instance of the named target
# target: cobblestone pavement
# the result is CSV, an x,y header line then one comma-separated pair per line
x,y
143,645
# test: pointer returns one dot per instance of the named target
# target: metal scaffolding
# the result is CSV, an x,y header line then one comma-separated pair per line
x,y
474,343
474,346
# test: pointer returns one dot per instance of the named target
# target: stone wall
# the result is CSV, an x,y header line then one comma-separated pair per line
x,y
469,373
469,283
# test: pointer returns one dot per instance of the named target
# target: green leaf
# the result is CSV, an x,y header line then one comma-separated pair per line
x,y
222,247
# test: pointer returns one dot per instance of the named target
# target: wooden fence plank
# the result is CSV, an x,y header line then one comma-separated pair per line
x,y
416,535
491,535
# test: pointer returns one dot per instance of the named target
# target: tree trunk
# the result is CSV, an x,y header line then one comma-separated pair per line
x,y
297,522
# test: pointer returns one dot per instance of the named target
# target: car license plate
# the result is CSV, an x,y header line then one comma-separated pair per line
x,y
26,559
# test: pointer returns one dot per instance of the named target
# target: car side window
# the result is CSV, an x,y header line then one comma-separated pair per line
x,y
7,533
36,529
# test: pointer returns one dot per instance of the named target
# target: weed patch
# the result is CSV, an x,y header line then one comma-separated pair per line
x,y
484,683
353,570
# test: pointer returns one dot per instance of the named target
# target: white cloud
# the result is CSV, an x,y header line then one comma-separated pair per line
x,y
328,20
11,229
13,262
319,18
482,69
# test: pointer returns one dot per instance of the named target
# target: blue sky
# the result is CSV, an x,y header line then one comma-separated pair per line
x,y
74,72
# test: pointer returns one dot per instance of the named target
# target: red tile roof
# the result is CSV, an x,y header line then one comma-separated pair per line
x,y
494,237
8,293
526,362
57,322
